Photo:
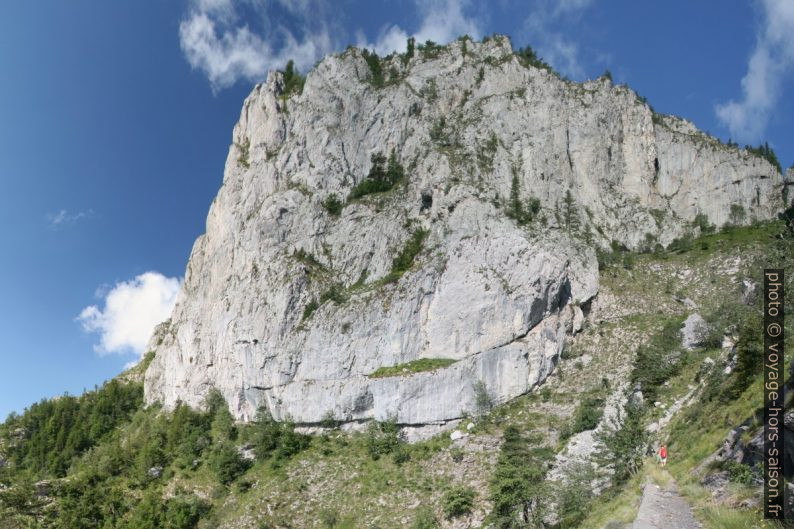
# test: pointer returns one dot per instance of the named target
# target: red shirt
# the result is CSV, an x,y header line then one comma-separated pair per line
x,y
663,452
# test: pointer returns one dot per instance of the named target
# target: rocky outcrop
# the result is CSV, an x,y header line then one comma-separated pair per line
x,y
693,331
492,296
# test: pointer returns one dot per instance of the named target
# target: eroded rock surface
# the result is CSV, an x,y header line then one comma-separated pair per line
x,y
496,296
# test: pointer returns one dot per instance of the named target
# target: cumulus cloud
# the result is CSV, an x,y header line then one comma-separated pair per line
x,y
63,218
440,21
771,59
216,40
131,311
552,45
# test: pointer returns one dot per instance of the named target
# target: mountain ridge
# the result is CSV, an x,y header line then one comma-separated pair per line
x,y
291,306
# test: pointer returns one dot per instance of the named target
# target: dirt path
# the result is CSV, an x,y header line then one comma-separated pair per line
x,y
664,508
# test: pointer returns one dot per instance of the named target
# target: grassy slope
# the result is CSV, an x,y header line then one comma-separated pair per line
x,y
698,430
335,482
343,484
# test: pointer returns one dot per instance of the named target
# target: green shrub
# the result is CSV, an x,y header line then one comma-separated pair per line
x,y
405,259
587,414
516,209
291,442
628,261
570,212
335,293
658,216
383,176
150,455
89,502
401,454
409,51
147,359
152,512
21,499
425,519
222,426
293,80
394,170
375,68
607,259
749,354
575,496
147,514
438,132
368,187
430,50
383,438
307,259
184,513
277,440
766,152
244,147
266,434
516,489
528,57
658,360
739,473
333,205
737,214
682,244
309,309
226,462
624,447
487,152
458,501
702,221
483,403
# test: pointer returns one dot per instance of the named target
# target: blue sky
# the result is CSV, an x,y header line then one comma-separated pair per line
x,y
116,117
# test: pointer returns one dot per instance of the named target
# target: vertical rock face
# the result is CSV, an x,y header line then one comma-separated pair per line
x,y
493,296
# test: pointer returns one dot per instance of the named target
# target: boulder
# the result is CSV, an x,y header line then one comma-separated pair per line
x,y
693,333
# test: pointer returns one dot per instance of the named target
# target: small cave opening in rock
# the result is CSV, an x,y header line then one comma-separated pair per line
x,y
427,201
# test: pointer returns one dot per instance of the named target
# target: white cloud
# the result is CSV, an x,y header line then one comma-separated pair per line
x,y
444,20
131,364
131,311
440,21
63,218
771,59
215,41
568,6
552,45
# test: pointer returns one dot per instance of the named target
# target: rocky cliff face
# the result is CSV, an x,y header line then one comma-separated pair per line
x,y
493,296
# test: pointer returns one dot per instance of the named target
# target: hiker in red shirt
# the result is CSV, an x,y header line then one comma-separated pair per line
x,y
663,455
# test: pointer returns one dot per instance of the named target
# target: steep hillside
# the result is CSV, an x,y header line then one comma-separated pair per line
x,y
432,215
557,455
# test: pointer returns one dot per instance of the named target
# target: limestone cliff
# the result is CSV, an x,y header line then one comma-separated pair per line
x,y
493,295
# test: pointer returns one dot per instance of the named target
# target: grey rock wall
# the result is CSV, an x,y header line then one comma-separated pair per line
x,y
495,296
